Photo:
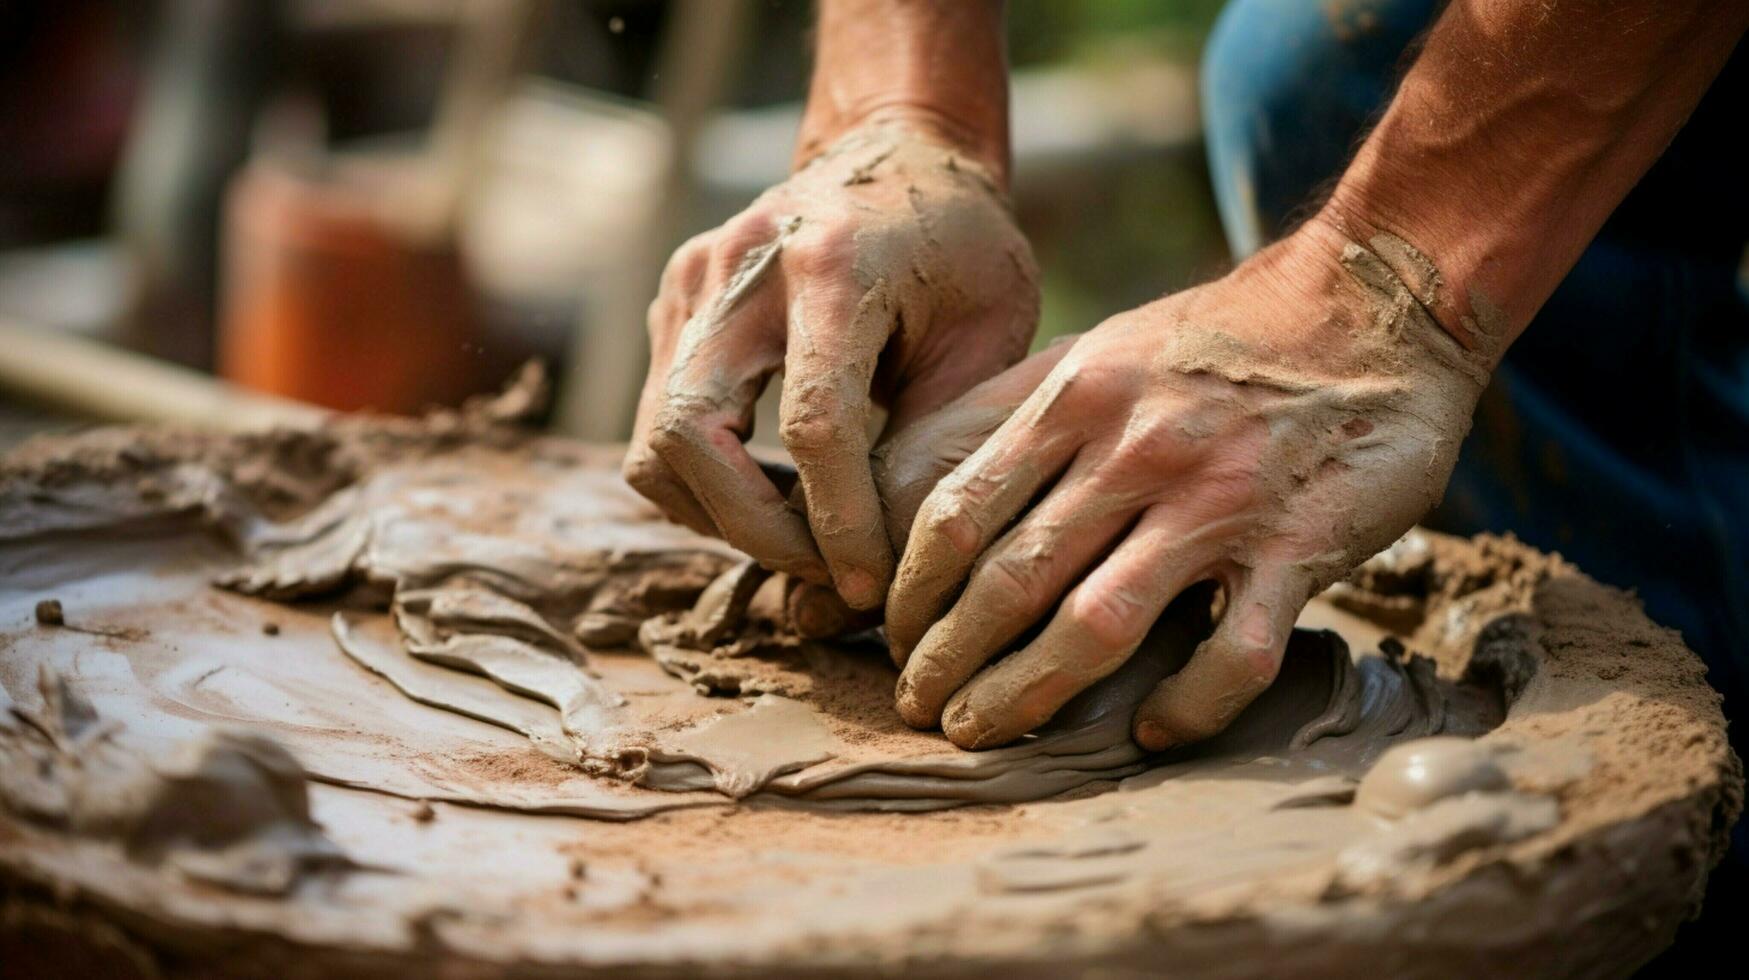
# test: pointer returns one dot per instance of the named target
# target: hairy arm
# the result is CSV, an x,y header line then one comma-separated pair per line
x,y
933,64
886,270
1518,130
1274,428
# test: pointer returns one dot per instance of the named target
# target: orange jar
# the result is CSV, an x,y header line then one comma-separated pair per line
x,y
327,299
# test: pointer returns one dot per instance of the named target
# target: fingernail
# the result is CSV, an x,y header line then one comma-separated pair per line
x,y
905,700
1152,736
815,612
859,588
902,690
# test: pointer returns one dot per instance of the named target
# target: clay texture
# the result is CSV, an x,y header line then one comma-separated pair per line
x,y
549,731
227,808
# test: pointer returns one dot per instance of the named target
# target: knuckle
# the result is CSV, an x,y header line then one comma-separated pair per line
x,y
1069,394
671,432
1254,667
1125,473
745,232
664,319
644,472
1018,582
826,252
947,520
1093,375
1146,448
976,487
1242,669
1114,618
1228,487
686,265
1079,369
811,433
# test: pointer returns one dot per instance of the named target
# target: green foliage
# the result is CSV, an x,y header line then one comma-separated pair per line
x,y
1138,233
1055,30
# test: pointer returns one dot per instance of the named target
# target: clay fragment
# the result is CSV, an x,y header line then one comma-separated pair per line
x,y
229,808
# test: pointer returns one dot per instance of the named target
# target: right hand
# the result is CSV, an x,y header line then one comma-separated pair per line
x,y
1270,431
887,270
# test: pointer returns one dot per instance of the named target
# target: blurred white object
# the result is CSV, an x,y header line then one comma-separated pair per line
x,y
75,286
97,381
560,234
571,190
1067,123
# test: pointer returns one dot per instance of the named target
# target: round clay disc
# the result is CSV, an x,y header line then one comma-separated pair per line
x,y
296,711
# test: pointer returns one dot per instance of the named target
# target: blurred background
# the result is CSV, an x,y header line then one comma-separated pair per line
x,y
213,209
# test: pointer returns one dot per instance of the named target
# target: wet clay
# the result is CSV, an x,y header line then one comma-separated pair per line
x,y
490,570
226,808
1476,758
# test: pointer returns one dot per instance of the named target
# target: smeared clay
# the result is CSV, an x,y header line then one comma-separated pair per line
x,y
1416,775
505,615
886,271
1271,458
776,828
228,808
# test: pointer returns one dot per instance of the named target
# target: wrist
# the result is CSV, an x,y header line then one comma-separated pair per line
x,y
1437,262
932,123
1440,257
1340,304
937,68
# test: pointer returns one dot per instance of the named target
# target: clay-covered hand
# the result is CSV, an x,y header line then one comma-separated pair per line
x,y
887,271
1269,431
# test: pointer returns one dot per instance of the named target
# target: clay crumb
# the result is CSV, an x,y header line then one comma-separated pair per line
x,y
424,812
270,628
50,613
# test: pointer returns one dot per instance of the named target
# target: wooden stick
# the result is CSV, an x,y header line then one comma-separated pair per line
x,y
104,383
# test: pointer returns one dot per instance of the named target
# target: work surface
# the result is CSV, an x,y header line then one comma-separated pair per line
x,y
503,718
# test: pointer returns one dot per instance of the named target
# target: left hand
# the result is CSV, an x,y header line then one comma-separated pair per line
x,y
1270,431
887,271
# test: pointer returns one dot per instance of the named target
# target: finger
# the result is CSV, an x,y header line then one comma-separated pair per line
x,y
782,476
1231,667
944,373
1098,627
659,484
972,505
1017,581
911,459
700,440
817,613
724,357
642,467
836,335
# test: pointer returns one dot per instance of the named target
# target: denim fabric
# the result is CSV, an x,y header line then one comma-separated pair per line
x,y
1617,430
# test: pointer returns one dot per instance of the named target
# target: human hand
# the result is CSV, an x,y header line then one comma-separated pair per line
x,y
887,270
1270,431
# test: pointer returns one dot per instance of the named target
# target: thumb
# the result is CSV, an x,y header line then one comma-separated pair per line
x,y
912,458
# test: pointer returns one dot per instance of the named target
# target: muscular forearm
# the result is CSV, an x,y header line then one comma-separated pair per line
x,y
1517,131
939,64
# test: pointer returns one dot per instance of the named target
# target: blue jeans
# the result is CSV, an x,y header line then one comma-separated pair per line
x,y
1617,430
